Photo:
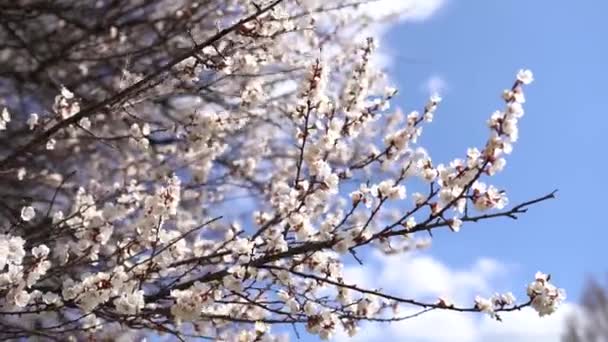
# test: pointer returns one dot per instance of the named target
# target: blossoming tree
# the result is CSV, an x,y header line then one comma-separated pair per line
x,y
205,168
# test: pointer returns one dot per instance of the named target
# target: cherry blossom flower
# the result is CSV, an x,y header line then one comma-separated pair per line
x,y
5,118
545,296
525,76
28,213
32,121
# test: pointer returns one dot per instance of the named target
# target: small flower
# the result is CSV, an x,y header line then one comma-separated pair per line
x,y
519,96
50,298
57,216
410,223
390,91
21,173
310,308
40,251
419,198
484,305
356,196
455,224
501,300
145,129
66,93
21,298
50,145
85,123
65,104
32,121
5,118
435,98
261,327
525,76
508,298
27,213
445,302
130,303
388,189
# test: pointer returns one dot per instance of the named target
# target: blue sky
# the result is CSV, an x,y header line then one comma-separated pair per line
x,y
476,47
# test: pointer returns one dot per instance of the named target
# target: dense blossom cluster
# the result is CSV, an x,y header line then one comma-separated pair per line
x,y
545,297
209,168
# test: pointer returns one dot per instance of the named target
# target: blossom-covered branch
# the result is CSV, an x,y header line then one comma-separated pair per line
x,y
207,168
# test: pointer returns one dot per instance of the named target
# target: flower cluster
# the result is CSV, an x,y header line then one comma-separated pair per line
x,y
66,105
12,253
19,275
139,135
545,296
494,303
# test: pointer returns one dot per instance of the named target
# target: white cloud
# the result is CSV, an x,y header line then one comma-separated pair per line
x,y
385,14
424,277
403,10
439,326
412,275
525,326
399,11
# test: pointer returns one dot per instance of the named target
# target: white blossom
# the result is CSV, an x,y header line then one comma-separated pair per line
x,y
51,298
40,251
32,121
455,224
21,298
28,213
50,144
545,296
65,104
5,118
130,303
85,123
484,305
525,76
21,173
